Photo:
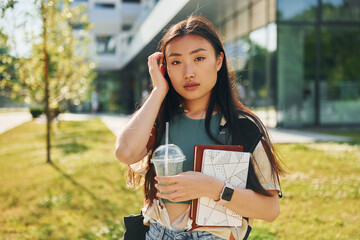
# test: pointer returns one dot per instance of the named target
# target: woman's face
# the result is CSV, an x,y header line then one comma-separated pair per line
x,y
192,66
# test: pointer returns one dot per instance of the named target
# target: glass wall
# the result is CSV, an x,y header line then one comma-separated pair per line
x,y
341,10
295,10
340,75
318,65
296,75
262,66
112,93
340,72
250,34
296,61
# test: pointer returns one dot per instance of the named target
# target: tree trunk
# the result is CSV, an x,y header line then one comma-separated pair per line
x,y
46,80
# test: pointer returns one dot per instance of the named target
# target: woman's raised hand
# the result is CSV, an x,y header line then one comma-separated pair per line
x,y
132,141
157,72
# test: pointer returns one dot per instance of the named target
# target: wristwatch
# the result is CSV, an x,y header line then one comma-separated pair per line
x,y
226,193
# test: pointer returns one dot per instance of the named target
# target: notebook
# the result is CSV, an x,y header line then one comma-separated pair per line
x,y
227,163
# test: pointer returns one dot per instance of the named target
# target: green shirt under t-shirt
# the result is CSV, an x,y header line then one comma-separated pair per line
x,y
186,132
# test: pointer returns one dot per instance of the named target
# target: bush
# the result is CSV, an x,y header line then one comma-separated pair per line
x,y
36,112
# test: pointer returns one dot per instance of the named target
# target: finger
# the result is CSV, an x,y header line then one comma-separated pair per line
x,y
166,179
155,57
165,188
154,66
152,62
159,56
162,195
168,195
173,197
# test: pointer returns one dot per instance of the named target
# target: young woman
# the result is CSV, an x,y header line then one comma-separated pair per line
x,y
192,89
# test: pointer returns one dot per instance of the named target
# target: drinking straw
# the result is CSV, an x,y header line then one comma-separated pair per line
x,y
167,149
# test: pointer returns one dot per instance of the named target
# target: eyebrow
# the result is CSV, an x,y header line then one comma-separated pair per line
x,y
192,52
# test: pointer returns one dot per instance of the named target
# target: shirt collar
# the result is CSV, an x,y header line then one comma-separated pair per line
x,y
222,121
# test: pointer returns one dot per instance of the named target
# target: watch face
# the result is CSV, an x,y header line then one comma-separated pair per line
x,y
227,194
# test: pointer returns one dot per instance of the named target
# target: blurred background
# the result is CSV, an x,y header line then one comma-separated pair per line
x,y
296,62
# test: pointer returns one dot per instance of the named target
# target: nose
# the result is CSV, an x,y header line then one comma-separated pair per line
x,y
189,71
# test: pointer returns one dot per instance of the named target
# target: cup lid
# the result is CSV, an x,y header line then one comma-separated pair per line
x,y
174,152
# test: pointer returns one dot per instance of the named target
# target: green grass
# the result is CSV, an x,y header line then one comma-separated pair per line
x,y
83,195
321,194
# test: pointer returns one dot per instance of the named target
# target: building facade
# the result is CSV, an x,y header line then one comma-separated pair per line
x,y
113,24
296,62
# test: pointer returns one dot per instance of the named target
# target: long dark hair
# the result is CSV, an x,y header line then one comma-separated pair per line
x,y
222,97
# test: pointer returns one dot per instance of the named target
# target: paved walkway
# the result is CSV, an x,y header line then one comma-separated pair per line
x,y
13,119
117,122
300,136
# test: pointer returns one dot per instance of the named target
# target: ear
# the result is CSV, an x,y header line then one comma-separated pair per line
x,y
219,61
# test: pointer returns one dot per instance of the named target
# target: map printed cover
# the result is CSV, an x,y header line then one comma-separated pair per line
x,y
229,166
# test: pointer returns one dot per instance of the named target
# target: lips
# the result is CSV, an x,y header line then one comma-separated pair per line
x,y
191,85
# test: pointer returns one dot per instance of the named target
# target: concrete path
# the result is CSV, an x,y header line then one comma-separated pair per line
x,y
13,119
116,123
300,136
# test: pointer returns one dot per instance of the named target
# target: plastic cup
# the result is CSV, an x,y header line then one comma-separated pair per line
x,y
170,165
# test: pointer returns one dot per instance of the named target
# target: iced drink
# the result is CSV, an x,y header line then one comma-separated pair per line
x,y
168,160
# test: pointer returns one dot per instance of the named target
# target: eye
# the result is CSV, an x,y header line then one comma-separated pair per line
x,y
175,62
199,58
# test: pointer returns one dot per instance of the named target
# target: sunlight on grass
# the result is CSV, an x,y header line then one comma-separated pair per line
x,y
82,196
321,193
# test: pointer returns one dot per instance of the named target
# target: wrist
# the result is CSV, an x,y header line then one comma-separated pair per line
x,y
217,187
159,91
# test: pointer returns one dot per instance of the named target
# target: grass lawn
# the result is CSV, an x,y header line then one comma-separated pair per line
x,y
321,193
83,195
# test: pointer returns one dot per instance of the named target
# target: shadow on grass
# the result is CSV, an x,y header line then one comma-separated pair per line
x,y
74,147
91,194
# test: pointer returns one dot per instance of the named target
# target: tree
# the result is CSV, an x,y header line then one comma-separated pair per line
x,y
59,68
7,62
5,5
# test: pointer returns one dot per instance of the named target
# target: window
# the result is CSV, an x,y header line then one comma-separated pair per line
x,y
340,81
131,1
295,10
105,5
126,27
296,73
105,44
341,10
